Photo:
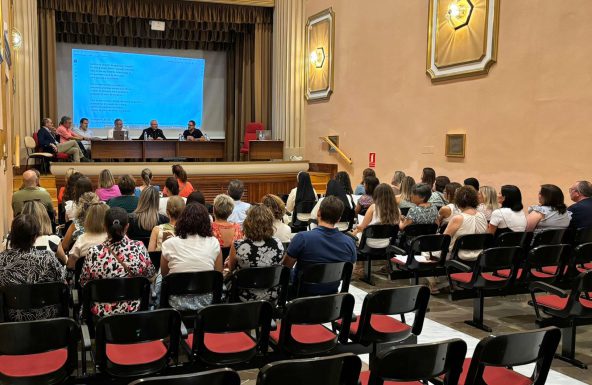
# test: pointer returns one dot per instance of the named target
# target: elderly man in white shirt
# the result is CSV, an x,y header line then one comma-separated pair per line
x,y
235,190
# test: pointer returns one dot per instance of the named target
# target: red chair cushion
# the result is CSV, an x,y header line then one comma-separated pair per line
x,y
381,323
62,155
365,376
306,334
30,365
557,303
466,277
136,354
552,269
225,342
539,274
496,375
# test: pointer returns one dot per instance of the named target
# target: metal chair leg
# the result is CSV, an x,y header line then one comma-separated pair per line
x,y
568,348
477,321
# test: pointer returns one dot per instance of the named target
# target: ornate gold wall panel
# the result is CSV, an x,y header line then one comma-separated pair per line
x,y
320,36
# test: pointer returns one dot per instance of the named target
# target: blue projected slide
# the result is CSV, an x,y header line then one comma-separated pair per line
x,y
136,88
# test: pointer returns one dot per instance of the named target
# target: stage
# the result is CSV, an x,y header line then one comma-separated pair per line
x,y
212,178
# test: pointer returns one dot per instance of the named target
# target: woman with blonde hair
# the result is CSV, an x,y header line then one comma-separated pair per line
x,y
146,177
280,230
94,233
226,232
160,233
46,240
146,216
404,198
107,187
487,201
259,248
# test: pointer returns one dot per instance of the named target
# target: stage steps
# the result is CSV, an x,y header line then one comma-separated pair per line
x,y
48,182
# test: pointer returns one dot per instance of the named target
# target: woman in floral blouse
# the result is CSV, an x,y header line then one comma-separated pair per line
x,y
117,257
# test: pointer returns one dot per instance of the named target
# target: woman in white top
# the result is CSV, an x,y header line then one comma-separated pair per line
x,y
281,230
510,215
551,213
171,188
303,192
46,240
470,221
487,201
451,209
94,233
384,211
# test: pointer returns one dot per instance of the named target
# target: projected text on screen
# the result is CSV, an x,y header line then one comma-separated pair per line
x,y
136,88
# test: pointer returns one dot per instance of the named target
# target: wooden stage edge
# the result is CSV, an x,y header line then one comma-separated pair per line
x,y
260,178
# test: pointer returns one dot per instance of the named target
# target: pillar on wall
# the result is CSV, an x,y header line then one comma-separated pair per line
x,y
288,75
26,71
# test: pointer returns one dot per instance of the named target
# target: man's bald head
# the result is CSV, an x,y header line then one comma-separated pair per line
x,y
30,178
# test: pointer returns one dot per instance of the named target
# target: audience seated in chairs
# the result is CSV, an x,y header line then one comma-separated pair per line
x,y
451,209
428,176
323,244
423,212
303,192
334,188
404,197
384,211
550,213
360,189
46,240
22,263
146,216
117,257
280,230
365,201
94,234
185,187
127,201
164,231
487,201
171,189
193,249
76,228
236,189
146,176
343,178
396,181
473,182
510,216
581,210
259,249
82,185
30,192
470,221
68,197
69,172
107,187
225,232
440,188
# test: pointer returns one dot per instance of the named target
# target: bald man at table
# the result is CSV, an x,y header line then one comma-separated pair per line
x,y
153,132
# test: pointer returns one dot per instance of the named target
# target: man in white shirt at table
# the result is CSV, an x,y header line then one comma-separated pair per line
x,y
117,126
236,189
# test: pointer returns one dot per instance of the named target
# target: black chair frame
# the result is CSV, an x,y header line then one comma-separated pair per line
x,y
367,254
34,296
304,207
259,278
316,274
430,244
224,376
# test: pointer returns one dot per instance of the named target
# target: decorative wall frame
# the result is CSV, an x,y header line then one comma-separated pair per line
x,y
455,145
462,38
320,42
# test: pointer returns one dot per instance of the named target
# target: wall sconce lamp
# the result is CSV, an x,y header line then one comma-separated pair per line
x,y
317,57
17,39
459,13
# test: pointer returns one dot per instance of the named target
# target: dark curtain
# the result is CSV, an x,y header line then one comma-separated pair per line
x,y
244,32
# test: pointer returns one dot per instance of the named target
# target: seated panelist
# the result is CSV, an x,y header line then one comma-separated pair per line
x,y
153,132
192,133
117,126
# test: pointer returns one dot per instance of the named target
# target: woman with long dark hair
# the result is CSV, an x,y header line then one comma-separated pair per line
x,y
185,187
334,188
510,216
550,213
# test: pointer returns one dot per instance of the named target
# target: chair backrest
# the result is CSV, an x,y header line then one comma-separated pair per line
x,y
543,256
155,258
513,238
33,296
378,233
548,237
30,143
322,275
415,230
471,242
253,127
404,210
137,328
429,244
341,369
429,361
36,139
35,337
304,207
515,349
579,302
315,311
582,235
582,255
193,283
492,260
224,376
112,290
393,301
260,278
229,319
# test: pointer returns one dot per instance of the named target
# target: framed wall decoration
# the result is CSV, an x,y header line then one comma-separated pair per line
x,y
462,38
455,145
320,37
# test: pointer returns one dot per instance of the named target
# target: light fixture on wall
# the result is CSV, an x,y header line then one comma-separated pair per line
x,y
459,13
317,57
17,39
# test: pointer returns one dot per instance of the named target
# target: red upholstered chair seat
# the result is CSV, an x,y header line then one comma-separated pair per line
x,y
496,376
365,376
538,274
557,303
306,334
466,277
62,156
225,342
136,354
381,324
552,269
30,365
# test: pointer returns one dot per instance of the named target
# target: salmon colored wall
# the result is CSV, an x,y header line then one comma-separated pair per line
x,y
528,122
